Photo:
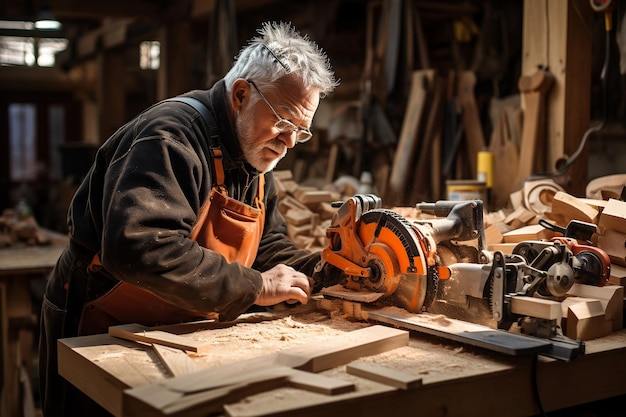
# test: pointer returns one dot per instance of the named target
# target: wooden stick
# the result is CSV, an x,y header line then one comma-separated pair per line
x,y
384,375
138,333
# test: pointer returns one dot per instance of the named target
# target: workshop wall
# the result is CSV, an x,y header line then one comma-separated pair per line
x,y
376,48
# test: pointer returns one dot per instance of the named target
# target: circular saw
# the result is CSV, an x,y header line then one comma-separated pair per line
x,y
381,253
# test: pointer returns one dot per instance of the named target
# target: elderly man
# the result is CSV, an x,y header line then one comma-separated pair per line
x,y
177,219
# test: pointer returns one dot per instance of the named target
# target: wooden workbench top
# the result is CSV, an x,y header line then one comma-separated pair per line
x,y
27,258
458,380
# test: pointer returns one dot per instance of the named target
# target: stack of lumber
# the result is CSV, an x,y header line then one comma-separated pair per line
x,y
307,210
16,229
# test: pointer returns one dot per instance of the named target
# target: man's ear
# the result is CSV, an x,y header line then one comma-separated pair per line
x,y
239,93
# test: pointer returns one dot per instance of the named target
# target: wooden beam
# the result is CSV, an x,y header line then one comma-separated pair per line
x,y
557,35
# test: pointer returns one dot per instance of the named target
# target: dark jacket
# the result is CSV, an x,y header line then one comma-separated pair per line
x,y
139,203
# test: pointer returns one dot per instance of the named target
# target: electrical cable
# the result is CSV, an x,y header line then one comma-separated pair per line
x,y
534,381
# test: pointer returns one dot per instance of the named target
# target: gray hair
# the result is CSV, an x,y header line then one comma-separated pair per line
x,y
281,50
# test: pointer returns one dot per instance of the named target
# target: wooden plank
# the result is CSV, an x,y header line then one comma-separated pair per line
x,y
339,291
175,360
475,138
157,400
408,141
139,333
385,375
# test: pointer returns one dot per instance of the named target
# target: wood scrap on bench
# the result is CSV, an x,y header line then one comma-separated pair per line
x,y
139,333
385,375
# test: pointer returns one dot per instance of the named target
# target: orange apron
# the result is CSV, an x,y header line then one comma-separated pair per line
x,y
224,225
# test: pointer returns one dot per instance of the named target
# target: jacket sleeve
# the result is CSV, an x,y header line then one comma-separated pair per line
x,y
276,247
151,195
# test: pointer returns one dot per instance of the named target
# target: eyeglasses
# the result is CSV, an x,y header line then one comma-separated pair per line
x,y
283,125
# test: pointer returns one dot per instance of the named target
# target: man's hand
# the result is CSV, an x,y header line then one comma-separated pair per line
x,y
283,283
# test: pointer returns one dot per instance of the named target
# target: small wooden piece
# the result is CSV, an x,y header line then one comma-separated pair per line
x,y
618,275
138,333
614,244
385,375
613,217
175,360
566,207
610,296
586,321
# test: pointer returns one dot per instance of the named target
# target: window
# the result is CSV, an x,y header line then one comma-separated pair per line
x,y
23,147
149,55
28,51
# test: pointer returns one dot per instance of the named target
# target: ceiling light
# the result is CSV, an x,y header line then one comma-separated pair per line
x,y
45,21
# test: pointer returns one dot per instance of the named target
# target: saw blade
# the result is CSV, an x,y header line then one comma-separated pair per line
x,y
394,251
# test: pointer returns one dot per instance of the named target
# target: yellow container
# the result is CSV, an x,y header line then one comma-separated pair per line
x,y
459,190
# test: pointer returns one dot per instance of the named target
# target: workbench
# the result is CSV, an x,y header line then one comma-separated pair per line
x,y
21,266
456,379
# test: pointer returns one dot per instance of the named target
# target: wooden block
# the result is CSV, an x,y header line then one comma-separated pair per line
x,y
298,217
520,217
530,232
313,197
613,217
614,244
138,333
566,207
505,248
586,321
536,307
610,296
618,275
290,186
295,231
385,375
493,235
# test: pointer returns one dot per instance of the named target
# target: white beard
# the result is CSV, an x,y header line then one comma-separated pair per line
x,y
254,153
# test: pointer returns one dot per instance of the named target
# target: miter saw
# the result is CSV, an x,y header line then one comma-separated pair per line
x,y
424,265
397,261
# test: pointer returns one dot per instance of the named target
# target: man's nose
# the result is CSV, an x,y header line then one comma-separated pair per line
x,y
288,138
